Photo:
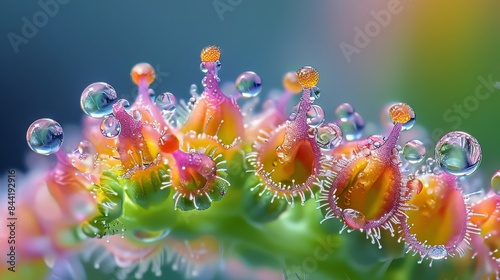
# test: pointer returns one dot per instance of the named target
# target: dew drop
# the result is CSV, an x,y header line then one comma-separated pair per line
x,y
45,136
150,236
354,218
437,252
166,101
315,116
344,111
495,182
97,100
193,90
414,151
203,68
124,103
110,126
315,94
352,127
328,136
136,114
458,153
249,84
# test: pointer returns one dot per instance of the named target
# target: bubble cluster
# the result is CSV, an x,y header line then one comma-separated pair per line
x,y
45,136
458,153
97,100
248,84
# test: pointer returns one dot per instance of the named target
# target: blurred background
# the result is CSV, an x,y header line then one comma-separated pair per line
x,y
442,58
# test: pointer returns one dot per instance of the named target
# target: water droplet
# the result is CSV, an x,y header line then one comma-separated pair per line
x,y
124,103
344,111
110,126
249,84
136,114
437,252
83,156
150,236
193,90
328,136
203,68
166,101
458,153
495,182
352,127
97,100
45,136
354,218
414,151
315,94
315,116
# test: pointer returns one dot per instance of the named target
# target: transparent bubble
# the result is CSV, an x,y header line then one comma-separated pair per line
x,y
354,218
458,153
203,68
315,94
83,157
151,236
166,101
495,182
85,150
414,151
249,84
45,136
193,90
97,100
136,114
328,136
110,126
352,127
124,103
437,252
315,116
344,111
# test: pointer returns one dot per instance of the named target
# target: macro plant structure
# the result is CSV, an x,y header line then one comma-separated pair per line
x,y
216,187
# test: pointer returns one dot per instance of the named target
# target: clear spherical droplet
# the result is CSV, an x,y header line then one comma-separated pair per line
x,y
45,136
97,100
124,103
166,101
437,252
495,182
84,150
354,218
136,114
110,126
352,127
414,151
203,67
328,136
458,153
344,111
315,116
249,84
314,94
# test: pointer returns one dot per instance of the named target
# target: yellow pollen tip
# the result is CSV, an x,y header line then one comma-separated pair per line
x,y
401,113
143,70
308,77
210,54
